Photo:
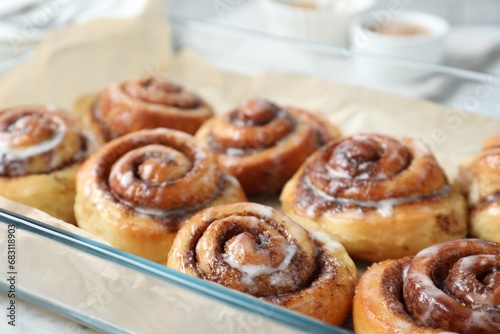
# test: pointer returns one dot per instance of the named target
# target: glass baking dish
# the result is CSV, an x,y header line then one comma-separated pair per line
x,y
233,35
184,298
184,304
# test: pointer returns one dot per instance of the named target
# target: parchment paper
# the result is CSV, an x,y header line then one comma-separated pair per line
x,y
82,59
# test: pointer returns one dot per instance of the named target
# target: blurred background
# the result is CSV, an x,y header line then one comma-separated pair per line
x,y
313,37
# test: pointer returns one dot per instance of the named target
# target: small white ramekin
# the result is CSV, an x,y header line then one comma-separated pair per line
x,y
329,25
428,47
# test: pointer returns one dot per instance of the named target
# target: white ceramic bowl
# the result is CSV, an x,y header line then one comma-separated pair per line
x,y
425,43
329,24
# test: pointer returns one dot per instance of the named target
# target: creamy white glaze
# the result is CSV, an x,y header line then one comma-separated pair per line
x,y
208,215
384,207
433,293
263,210
126,179
148,211
328,242
337,174
16,153
251,271
465,265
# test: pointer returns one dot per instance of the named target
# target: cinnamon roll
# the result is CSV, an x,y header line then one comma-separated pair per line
x,y
41,148
449,287
263,144
147,103
257,250
136,191
479,180
380,196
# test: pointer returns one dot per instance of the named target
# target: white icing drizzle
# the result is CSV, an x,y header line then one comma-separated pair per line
x,y
126,179
328,242
465,265
337,174
433,293
263,211
250,271
384,207
148,211
208,215
11,153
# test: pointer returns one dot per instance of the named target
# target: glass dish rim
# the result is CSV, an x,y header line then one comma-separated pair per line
x,y
160,272
232,31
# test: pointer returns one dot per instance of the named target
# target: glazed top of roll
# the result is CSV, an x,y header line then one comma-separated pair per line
x,y
452,286
146,103
162,173
39,139
254,249
367,171
456,286
258,124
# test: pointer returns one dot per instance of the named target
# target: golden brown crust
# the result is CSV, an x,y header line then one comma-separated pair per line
x,y
359,188
257,250
147,103
479,180
450,287
263,144
41,148
137,190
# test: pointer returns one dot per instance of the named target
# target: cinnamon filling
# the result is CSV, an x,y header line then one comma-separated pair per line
x,y
252,254
369,172
256,125
159,90
160,174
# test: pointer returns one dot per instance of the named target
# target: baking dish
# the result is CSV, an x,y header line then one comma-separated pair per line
x,y
193,305
233,35
229,306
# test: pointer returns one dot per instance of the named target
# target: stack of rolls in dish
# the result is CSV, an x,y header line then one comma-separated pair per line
x,y
151,170
141,186
149,189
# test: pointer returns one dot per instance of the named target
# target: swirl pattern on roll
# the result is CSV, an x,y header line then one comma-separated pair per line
x,y
453,286
479,179
37,140
257,250
366,168
154,179
376,181
263,144
148,103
